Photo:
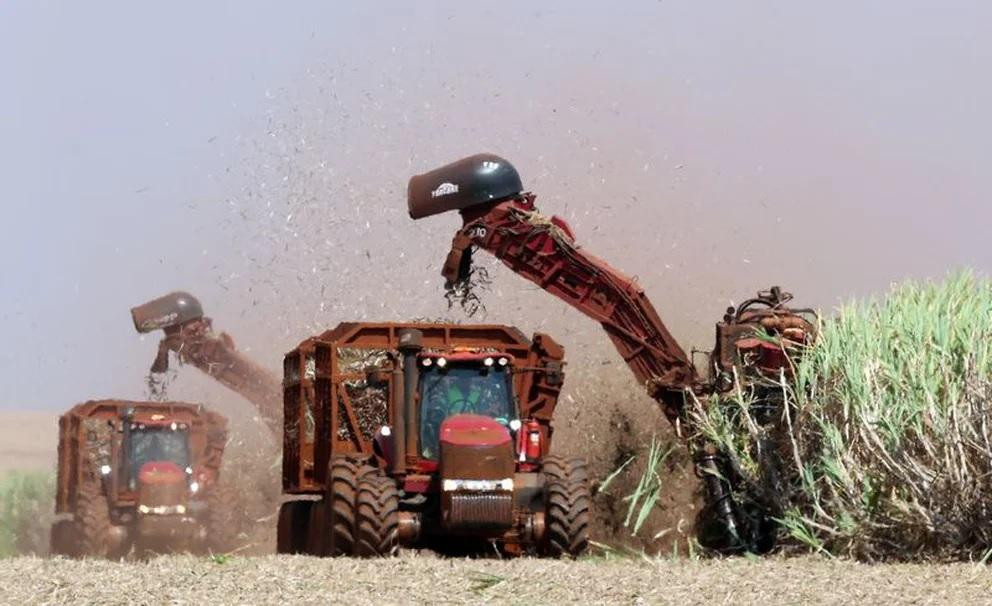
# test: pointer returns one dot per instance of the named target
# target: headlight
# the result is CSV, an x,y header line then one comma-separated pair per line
x,y
450,485
488,361
515,424
503,361
105,470
144,509
194,486
441,362
180,509
427,361
385,431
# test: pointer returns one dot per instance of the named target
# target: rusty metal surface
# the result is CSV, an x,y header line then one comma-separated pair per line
x,y
761,337
543,250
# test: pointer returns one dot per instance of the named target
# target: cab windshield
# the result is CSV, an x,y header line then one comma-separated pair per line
x,y
461,389
158,444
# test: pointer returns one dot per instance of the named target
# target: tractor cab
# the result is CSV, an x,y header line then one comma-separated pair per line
x,y
463,383
156,442
159,471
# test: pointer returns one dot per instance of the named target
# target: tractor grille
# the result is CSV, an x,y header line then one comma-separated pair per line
x,y
479,511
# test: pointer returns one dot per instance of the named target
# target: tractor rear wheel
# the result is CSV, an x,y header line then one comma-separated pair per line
x,y
566,513
378,516
63,540
292,529
92,522
341,504
222,522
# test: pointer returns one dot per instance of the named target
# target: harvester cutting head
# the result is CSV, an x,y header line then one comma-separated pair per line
x,y
174,309
472,181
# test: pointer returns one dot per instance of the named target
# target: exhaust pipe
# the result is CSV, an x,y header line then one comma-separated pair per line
x,y
398,421
411,342
125,457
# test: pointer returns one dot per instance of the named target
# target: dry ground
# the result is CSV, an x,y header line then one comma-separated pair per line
x,y
430,580
29,441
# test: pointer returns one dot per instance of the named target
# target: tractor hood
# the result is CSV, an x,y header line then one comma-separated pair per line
x,y
475,447
476,475
478,179
161,487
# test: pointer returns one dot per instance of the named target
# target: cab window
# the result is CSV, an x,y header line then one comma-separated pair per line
x,y
460,390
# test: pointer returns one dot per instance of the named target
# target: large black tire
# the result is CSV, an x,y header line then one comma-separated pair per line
x,y
566,514
341,504
378,517
222,518
291,532
92,522
316,539
63,540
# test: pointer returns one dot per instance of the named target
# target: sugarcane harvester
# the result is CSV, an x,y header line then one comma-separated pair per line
x,y
190,336
754,341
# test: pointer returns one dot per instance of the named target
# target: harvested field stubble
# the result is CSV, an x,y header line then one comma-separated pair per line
x,y
430,580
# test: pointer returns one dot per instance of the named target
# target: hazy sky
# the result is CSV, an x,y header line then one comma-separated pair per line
x,y
257,155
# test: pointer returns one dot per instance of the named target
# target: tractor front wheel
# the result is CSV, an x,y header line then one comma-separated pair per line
x,y
63,540
378,516
291,533
566,513
317,529
92,522
341,504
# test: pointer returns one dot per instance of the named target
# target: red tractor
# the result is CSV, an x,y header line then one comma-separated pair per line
x,y
427,435
142,476
756,342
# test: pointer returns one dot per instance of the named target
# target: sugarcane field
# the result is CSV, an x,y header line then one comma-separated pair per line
x,y
436,303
